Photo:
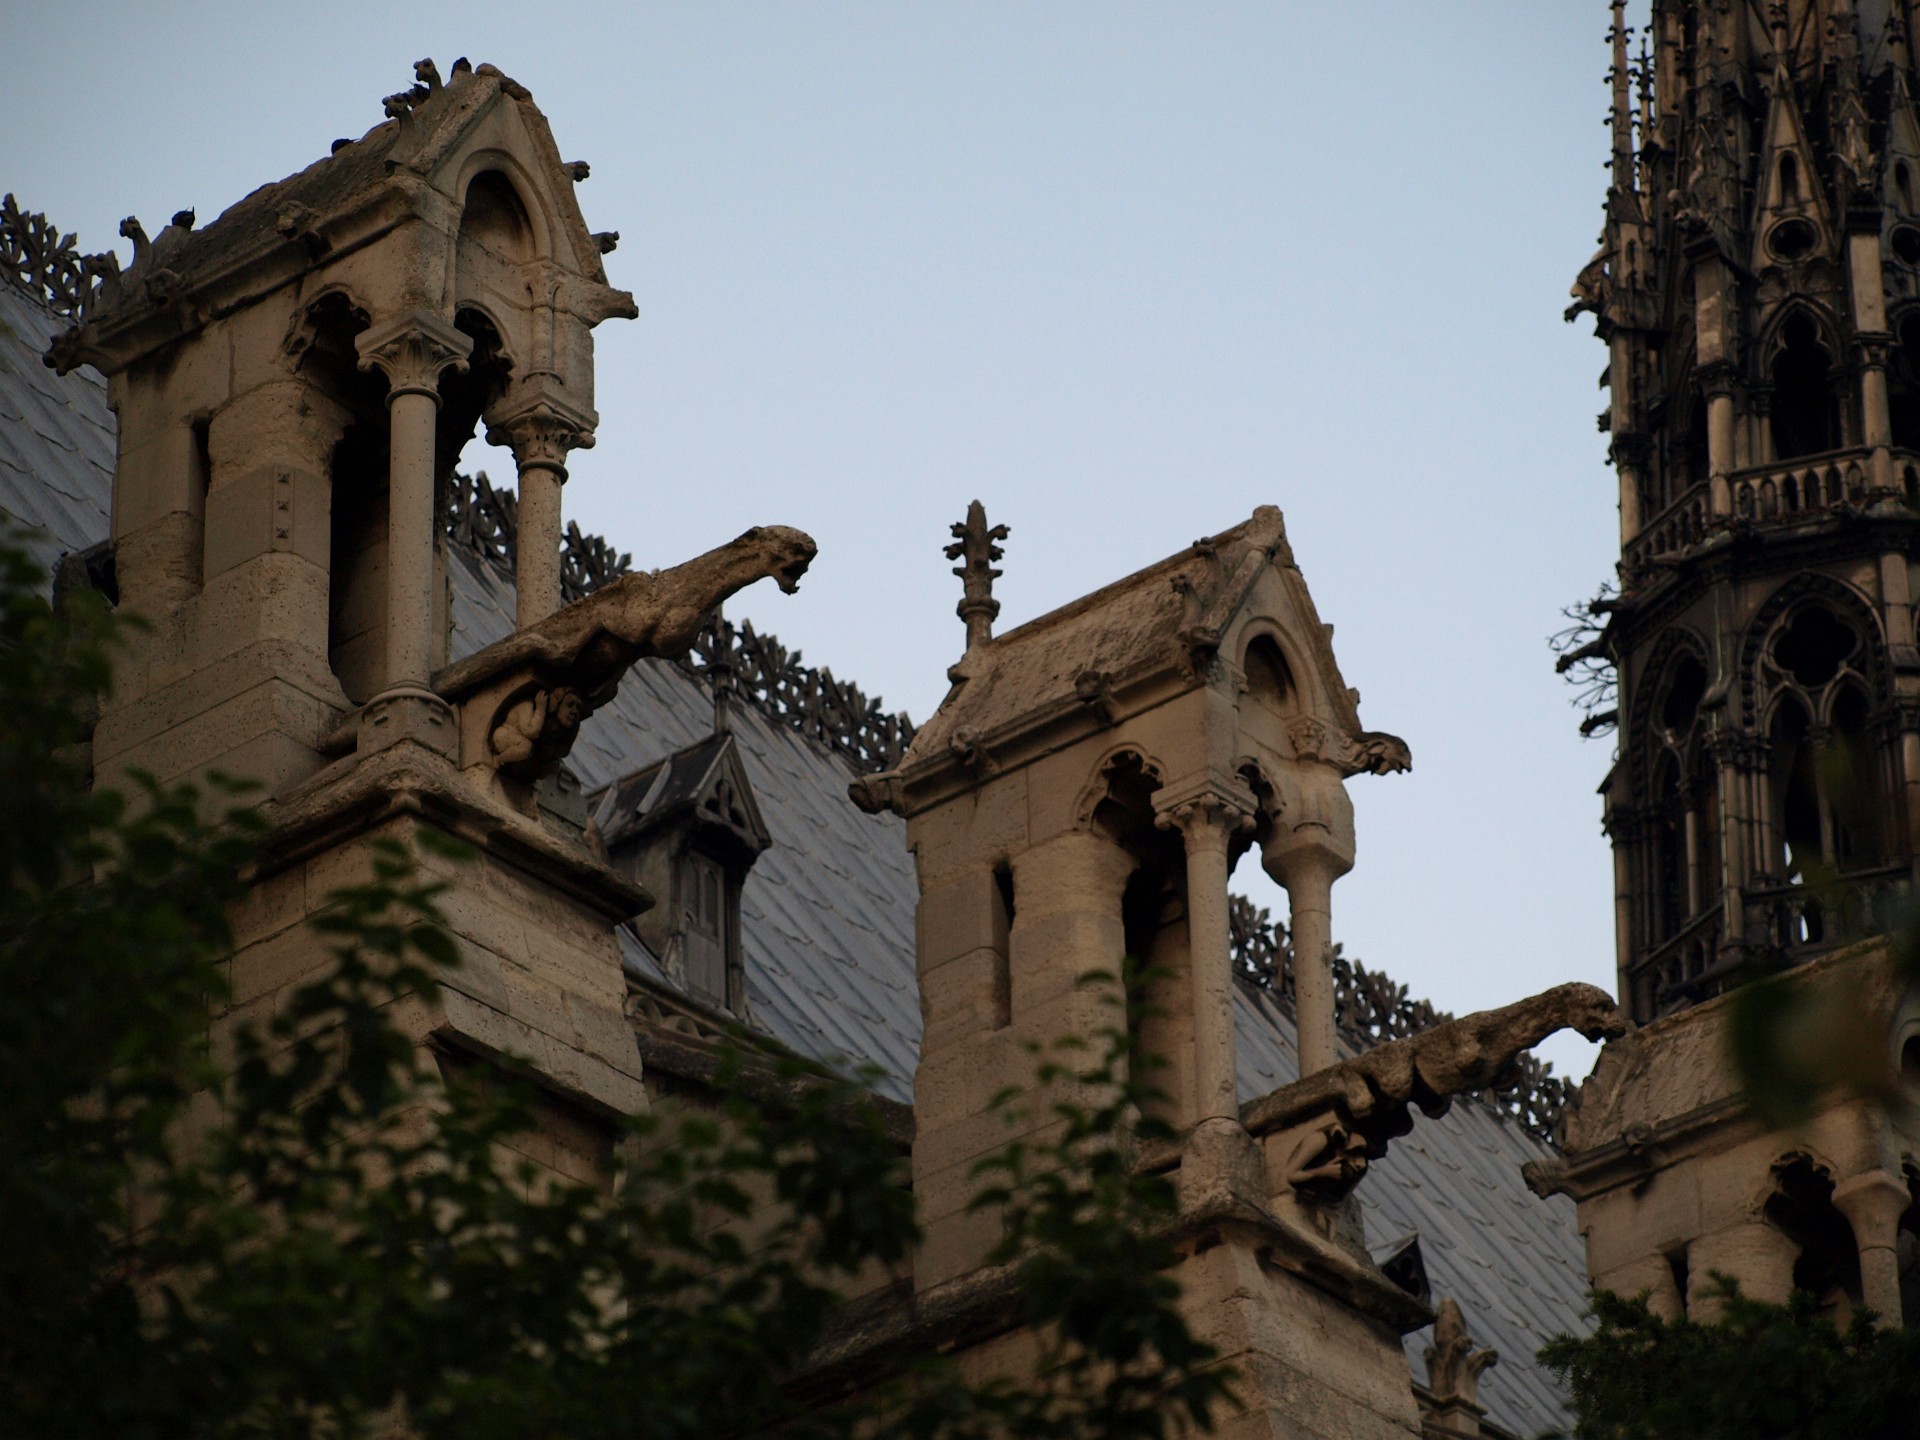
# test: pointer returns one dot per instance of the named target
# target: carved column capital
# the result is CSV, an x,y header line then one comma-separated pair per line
x,y
1873,348
1208,818
411,351
1718,379
541,432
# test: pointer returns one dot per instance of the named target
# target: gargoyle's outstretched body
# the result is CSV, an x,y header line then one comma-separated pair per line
x,y
660,612
1374,1090
593,642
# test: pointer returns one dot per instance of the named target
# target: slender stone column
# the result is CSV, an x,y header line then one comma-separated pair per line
x,y
540,432
412,351
1206,823
1719,385
1630,455
1311,847
1873,1203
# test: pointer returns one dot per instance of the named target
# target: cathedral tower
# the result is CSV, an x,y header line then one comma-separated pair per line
x,y
1758,287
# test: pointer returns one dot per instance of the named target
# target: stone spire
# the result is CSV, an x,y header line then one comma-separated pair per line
x,y
976,547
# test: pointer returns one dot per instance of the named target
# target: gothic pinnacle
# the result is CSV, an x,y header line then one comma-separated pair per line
x,y
976,546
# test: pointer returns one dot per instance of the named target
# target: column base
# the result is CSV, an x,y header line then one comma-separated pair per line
x,y
407,712
1221,1170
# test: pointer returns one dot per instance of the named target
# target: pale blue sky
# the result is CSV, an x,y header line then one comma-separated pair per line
x,y
1122,271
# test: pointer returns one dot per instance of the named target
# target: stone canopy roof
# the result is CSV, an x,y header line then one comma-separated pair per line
x,y
1129,637
360,191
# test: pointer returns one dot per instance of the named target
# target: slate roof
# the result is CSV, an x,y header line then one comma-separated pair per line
x,y
827,915
56,436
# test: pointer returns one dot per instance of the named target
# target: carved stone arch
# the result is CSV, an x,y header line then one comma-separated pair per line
x,y
1803,589
1782,696
1800,1205
1770,340
495,334
1832,695
1797,1154
1904,1043
540,224
1269,662
1123,756
334,310
1674,644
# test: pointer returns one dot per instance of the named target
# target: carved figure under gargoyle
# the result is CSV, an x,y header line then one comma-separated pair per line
x,y
536,732
1328,1125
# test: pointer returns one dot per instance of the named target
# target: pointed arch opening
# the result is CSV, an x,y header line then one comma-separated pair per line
x,y
495,219
1805,413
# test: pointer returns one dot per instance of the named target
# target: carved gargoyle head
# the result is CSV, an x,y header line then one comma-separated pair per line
x,y
789,552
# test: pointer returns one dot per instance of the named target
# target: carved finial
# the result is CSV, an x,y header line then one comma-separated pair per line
x,y
462,68
1453,1365
428,74
976,547
577,170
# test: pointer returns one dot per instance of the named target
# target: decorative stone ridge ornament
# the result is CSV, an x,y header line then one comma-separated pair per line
x,y
522,699
1454,1368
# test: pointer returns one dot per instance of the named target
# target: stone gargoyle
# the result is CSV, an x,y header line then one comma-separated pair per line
x,y
1320,1132
522,699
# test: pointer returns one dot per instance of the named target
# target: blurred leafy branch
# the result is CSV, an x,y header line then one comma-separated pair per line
x,y
1756,1370
300,1224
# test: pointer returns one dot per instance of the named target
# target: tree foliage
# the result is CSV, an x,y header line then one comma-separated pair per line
x,y
1760,1372
297,1224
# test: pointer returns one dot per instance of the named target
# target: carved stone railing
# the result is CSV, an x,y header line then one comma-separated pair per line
x,y
1681,970
1784,492
1800,921
1790,490
831,712
1682,525
1371,1009
40,260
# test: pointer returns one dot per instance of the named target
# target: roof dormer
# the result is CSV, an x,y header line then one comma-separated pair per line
x,y
687,830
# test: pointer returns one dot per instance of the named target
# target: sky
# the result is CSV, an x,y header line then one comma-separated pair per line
x,y
1120,271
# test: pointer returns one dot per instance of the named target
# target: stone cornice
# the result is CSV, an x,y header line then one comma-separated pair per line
x,y
358,794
